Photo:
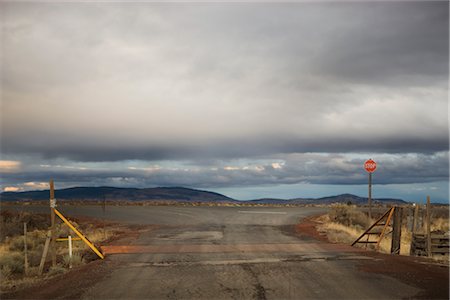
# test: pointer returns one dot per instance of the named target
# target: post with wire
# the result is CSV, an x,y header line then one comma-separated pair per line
x,y
53,225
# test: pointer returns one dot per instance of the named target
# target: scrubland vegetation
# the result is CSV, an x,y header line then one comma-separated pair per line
x,y
12,259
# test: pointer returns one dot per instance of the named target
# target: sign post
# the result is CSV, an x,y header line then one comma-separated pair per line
x,y
370,167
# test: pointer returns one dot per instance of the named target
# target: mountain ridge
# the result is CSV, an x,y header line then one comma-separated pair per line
x,y
116,193
179,194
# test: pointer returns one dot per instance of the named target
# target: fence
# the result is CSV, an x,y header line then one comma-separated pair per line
x,y
439,244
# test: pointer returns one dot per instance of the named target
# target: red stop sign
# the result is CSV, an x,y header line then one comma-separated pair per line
x,y
370,165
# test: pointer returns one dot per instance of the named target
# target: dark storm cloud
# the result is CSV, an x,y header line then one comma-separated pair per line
x,y
396,44
99,82
111,150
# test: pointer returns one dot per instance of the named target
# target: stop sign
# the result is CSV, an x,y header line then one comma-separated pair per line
x,y
370,165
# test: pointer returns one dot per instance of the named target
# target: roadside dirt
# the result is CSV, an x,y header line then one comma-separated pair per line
x,y
432,277
73,283
424,273
307,227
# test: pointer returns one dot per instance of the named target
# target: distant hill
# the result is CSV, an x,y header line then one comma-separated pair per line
x,y
113,193
344,198
179,194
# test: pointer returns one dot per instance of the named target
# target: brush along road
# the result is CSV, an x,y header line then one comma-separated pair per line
x,y
238,253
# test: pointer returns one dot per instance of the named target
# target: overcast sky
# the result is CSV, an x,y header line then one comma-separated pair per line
x,y
250,99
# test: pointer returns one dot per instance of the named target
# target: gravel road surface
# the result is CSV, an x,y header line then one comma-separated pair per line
x,y
232,253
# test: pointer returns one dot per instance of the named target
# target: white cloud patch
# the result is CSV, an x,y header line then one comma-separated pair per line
x,y
36,185
11,189
277,165
230,168
70,167
148,169
9,165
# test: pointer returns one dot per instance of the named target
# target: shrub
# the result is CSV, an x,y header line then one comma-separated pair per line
x,y
76,260
11,223
56,270
17,243
14,261
349,216
33,271
6,272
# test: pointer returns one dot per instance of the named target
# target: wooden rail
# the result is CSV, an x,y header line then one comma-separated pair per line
x,y
439,244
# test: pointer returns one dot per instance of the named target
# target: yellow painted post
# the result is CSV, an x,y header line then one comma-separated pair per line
x,y
66,239
83,238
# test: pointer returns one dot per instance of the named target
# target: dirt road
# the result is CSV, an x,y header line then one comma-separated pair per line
x,y
240,253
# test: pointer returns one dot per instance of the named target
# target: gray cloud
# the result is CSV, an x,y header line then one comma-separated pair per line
x,y
152,81
342,169
396,44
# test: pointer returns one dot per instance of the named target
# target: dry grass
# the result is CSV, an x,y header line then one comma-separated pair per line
x,y
349,216
440,224
76,260
24,282
338,233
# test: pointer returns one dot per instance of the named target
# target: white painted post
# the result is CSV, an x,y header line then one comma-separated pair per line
x,y
70,251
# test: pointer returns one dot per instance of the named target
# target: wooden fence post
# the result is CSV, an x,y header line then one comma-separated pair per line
x,y
104,214
428,227
415,218
396,231
44,253
25,247
53,228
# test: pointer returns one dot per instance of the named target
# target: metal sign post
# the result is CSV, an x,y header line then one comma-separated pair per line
x,y
370,167
370,196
